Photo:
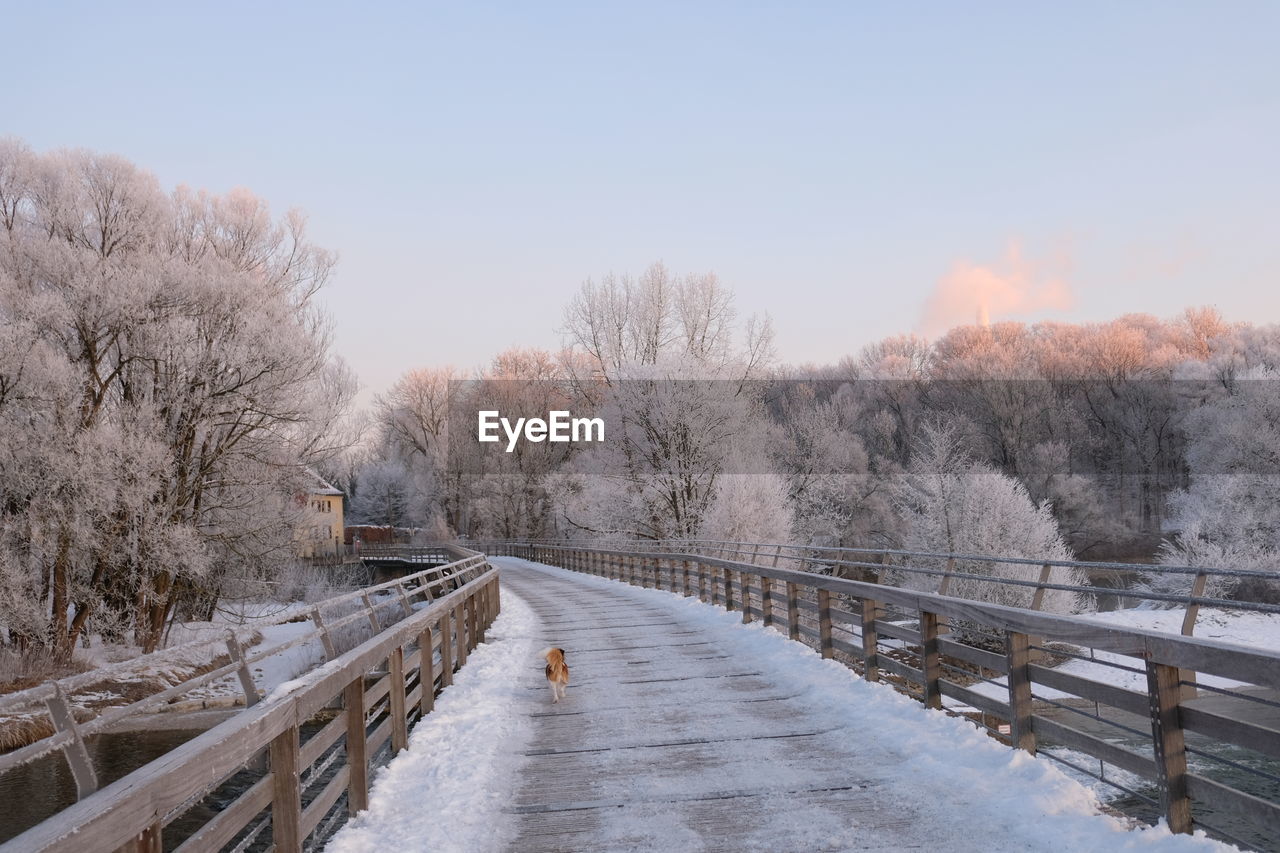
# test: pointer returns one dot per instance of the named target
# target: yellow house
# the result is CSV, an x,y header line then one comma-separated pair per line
x,y
320,530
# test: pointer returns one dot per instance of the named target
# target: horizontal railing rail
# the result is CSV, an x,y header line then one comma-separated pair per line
x,y
408,663
994,661
905,565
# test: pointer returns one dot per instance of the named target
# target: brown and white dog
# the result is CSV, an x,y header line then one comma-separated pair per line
x,y
557,672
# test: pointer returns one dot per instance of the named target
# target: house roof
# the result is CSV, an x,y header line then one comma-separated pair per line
x,y
322,486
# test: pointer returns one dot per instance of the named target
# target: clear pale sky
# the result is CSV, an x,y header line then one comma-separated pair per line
x,y
833,163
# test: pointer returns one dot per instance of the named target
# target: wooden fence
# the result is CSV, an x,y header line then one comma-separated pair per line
x,y
373,693
1017,578
933,646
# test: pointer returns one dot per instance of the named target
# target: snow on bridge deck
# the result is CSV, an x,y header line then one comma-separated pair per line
x,y
685,730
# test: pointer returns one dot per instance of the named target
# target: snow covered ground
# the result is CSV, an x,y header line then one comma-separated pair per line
x,y
963,790
447,791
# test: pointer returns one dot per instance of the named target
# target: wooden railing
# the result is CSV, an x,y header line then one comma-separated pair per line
x,y
941,573
934,647
339,623
373,693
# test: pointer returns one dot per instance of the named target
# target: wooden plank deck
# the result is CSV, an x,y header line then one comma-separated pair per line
x,y
666,742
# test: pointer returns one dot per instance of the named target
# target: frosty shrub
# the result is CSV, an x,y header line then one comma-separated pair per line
x,y
953,505
1229,517
749,508
302,581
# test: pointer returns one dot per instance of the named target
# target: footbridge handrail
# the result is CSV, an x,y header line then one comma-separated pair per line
x,y
907,566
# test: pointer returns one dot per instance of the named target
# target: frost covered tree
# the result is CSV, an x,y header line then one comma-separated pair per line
x,y
838,490
165,380
411,425
678,373
954,505
1229,516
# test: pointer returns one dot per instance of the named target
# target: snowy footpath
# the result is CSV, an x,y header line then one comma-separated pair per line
x,y
685,730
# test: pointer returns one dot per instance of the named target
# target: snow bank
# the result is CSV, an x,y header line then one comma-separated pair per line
x,y
448,790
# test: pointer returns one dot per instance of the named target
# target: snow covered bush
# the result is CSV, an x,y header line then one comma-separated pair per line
x,y
953,505
1229,517
749,508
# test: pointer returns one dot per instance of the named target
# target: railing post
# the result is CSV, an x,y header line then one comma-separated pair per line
x,y
1018,658
242,671
446,649
930,661
825,645
399,713
1163,692
286,792
728,589
404,601
1193,609
870,641
945,583
684,573
702,584
373,617
793,611
426,672
330,651
473,627
357,747
460,635
745,589
1037,600
944,586
76,753
766,600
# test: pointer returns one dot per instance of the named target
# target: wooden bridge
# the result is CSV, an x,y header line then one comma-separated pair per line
x,y
667,723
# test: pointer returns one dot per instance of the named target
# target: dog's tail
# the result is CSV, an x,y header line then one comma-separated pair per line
x,y
546,653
